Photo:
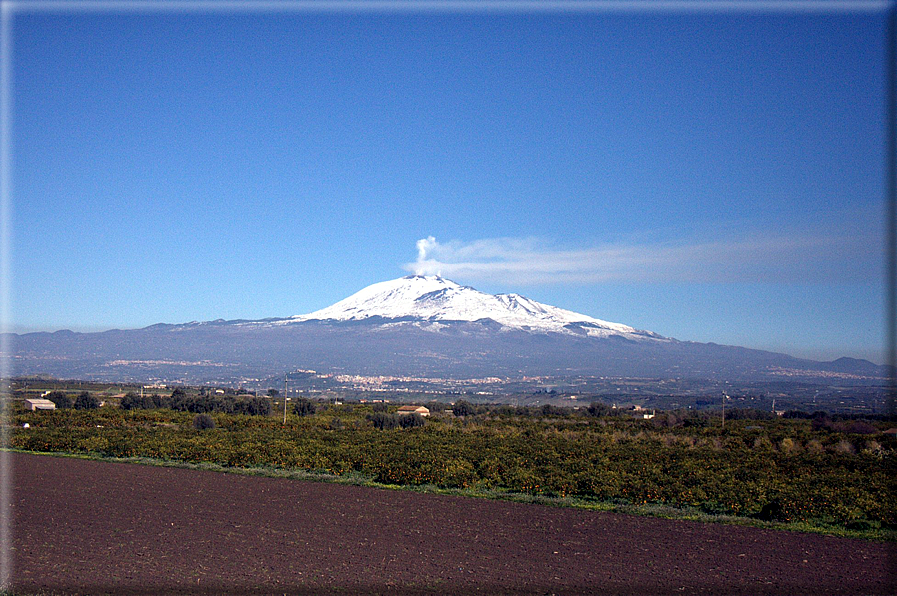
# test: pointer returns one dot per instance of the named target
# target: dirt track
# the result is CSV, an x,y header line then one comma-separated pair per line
x,y
87,527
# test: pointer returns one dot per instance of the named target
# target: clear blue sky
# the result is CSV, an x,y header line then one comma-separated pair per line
x,y
711,177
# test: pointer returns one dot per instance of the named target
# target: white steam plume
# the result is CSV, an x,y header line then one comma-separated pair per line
x,y
762,258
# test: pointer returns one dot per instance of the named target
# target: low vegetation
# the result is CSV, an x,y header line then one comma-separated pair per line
x,y
802,469
203,422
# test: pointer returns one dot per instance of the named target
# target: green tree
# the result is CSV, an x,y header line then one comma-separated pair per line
x,y
303,407
131,401
254,406
86,401
384,421
550,410
596,408
411,420
60,399
463,408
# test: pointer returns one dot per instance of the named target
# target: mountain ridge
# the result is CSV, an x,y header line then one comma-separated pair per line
x,y
415,325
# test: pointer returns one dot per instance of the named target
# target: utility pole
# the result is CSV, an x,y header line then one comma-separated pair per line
x,y
285,379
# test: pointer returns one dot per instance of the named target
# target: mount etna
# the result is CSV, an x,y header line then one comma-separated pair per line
x,y
422,326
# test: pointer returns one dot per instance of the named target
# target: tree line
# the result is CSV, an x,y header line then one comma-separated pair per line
x,y
83,401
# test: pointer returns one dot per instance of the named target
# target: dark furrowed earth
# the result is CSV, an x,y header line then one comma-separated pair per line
x,y
90,527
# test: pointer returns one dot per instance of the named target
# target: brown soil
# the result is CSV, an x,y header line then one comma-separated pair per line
x,y
88,527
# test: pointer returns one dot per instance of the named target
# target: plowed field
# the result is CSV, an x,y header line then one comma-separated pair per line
x,y
89,527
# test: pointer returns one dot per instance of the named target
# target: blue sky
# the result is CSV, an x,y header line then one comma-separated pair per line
x,y
710,177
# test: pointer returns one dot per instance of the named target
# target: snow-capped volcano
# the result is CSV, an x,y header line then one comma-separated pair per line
x,y
412,327
433,298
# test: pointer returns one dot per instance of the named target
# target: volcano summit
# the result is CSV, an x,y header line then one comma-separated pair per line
x,y
433,298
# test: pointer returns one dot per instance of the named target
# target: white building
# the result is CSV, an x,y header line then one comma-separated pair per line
x,y
39,404
413,410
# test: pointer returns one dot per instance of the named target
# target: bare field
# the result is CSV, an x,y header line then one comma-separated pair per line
x,y
90,527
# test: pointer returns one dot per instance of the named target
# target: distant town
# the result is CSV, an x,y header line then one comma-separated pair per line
x,y
572,391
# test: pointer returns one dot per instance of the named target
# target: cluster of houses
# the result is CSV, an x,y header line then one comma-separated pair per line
x,y
640,411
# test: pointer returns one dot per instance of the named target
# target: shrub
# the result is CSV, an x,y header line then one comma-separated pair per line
x,y
262,406
498,411
550,410
749,414
201,404
762,442
815,446
196,405
859,427
203,422
303,407
254,406
797,414
458,473
435,406
695,420
384,421
772,511
596,408
789,445
820,421
844,446
872,447
463,408
131,401
60,399
86,401
411,420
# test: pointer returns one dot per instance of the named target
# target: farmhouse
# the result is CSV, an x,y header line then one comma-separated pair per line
x,y
413,410
39,404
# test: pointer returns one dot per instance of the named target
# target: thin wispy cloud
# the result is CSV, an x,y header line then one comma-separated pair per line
x,y
768,258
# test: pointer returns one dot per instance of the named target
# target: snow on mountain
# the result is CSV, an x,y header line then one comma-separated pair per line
x,y
433,298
